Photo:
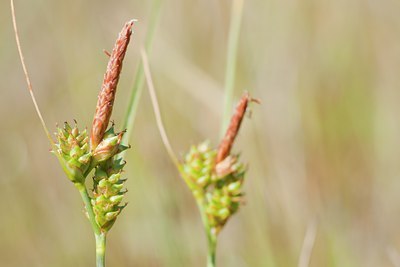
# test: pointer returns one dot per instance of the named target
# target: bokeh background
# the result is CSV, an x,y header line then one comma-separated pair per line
x,y
323,148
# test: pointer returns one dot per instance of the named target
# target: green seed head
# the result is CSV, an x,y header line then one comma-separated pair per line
x,y
73,149
218,185
107,196
199,164
108,186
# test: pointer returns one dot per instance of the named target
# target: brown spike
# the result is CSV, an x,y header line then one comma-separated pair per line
x,y
234,126
109,87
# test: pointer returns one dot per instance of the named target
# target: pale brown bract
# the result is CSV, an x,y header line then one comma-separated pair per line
x,y
109,87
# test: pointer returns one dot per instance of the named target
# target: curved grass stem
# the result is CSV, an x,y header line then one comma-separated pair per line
x,y
156,109
28,80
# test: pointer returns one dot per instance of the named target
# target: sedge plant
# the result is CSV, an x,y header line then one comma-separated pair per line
x,y
81,153
214,175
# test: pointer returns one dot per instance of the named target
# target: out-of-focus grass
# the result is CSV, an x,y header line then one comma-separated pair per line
x,y
324,144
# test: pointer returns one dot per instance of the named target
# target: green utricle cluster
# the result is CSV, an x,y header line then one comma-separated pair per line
x,y
218,187
74,152
78,159
108,192
225,198
198,168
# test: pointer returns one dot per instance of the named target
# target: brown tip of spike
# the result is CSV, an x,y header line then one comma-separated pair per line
x,y
234,126
109,87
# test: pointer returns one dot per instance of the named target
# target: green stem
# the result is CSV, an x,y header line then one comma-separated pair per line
x,y
100,250
100,237
212,249
234,30
211,236
88,206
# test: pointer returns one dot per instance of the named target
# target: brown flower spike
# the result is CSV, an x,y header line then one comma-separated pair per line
x,y
109,87
226,144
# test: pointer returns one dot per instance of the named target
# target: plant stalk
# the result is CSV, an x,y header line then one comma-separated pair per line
x,y
212,249
231,57
100,237
101,250
211,236
88,206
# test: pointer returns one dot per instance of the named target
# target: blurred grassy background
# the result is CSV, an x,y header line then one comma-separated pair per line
x,y
323,146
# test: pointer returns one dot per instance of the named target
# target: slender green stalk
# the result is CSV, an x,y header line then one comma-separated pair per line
x,y
212,250
89,208
100,237
137,89
234,30
101,250
211,236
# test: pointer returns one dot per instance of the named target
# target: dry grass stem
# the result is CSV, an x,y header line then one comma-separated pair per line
x,y
308,244
28,80
109,87
156,108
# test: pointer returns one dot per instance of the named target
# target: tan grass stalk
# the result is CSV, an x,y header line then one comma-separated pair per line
x,y
308,244
28,80
156,108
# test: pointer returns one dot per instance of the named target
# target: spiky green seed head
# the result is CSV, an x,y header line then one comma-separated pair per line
x,y
108,188
108,194
77,160
219,185
199,164
225,198
73,150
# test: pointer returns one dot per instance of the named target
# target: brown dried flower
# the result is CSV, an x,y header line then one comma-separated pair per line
x,y
226,144
109,87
